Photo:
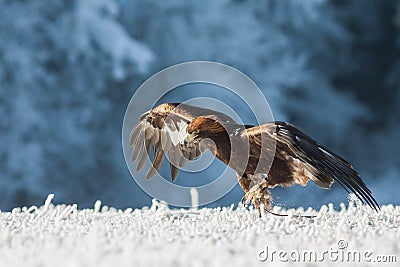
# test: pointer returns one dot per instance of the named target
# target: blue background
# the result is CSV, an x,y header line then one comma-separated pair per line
x,y
69,68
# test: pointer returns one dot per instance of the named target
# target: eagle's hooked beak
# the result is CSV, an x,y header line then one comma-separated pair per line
x,y
189,138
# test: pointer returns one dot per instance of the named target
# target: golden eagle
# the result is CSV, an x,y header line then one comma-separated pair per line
x,y
264,156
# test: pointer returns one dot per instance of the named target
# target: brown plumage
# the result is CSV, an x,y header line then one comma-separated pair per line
x,y
263,157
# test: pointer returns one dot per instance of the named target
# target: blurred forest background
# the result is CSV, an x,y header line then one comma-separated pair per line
x,y
69,68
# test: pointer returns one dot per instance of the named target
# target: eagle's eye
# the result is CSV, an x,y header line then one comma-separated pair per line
x,y
194,132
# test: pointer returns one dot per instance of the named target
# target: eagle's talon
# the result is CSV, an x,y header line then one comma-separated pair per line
x,y
246,199
243,200
259,196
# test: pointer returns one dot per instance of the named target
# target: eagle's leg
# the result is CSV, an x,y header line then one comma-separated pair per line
x,y
259,196
244,183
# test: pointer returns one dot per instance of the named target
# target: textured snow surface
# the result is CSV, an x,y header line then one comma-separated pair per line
x,y
62,235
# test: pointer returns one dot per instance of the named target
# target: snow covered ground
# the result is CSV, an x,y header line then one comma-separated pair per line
x,y
63,235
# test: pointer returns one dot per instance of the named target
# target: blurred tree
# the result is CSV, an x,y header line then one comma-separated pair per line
x,y
68,69
373,79
61,68
285,46
372,53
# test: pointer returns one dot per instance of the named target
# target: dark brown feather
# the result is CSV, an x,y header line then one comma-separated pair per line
x,y
158,158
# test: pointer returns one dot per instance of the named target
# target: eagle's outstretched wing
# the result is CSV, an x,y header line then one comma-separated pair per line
x,y
163,128
299,158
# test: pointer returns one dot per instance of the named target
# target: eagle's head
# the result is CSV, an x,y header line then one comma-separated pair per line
x,y
203,127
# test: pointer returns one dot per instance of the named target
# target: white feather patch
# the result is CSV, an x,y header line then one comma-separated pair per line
x,y
176,135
